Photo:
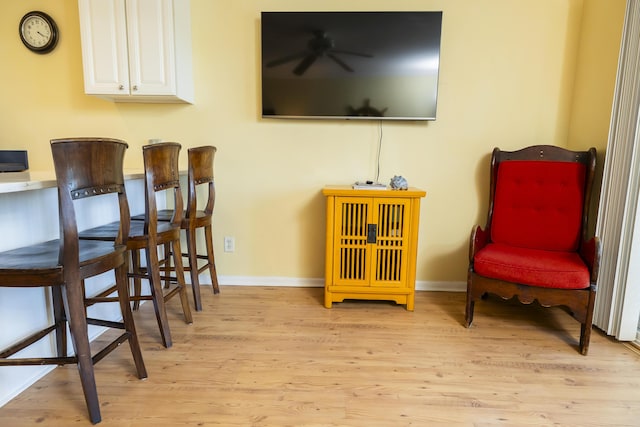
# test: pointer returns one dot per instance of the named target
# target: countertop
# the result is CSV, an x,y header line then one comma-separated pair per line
x,y
11,182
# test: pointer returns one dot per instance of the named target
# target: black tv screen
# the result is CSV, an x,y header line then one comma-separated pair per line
x,y
350,65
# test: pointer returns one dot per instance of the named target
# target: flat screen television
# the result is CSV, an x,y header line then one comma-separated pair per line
x,y
350,65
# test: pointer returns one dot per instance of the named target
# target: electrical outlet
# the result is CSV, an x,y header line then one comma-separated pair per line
x,y
229,244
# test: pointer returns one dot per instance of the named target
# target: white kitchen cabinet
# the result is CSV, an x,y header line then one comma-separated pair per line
x,y
137,50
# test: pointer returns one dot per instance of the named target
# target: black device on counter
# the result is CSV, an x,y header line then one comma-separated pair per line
x,y
13,161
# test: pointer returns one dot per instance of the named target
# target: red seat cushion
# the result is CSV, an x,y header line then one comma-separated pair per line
x,y
549,269
538,205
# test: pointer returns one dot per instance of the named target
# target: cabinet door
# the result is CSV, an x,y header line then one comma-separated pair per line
x,y
352,252
389,254
104,46
151,47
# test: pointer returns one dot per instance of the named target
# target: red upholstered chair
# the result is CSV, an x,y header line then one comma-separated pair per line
x,y
534,245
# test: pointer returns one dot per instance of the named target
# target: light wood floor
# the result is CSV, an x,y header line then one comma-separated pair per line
x,y
258,356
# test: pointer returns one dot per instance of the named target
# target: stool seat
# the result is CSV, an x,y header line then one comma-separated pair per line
x,y
40,260
167,214
136,232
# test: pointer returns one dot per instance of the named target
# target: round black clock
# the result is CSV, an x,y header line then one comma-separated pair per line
x,y
38,32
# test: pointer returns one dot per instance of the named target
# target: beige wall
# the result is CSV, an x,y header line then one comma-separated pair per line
x,y
513,73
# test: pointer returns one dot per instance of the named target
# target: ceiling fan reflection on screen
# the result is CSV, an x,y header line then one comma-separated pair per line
x,y
318,46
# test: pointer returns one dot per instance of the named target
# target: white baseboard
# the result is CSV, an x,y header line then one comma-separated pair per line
x,y
441,286
318,283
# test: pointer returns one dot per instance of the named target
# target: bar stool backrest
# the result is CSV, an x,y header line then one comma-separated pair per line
x,y
162,175
201,161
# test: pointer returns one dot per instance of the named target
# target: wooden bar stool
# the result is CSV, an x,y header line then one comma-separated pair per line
x,y
161,179
196,216
65,263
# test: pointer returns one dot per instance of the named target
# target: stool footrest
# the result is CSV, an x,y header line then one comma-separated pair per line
x,y
28,341
33,361
110,347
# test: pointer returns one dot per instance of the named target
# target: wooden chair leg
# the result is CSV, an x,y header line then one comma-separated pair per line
x,y
155,286
469,313
211,259
137,282
59,317
166,265
184,299
122,285
193,268
586,326
585,337
74,305
468,316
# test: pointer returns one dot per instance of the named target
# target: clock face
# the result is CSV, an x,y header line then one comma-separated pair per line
x,y
38,32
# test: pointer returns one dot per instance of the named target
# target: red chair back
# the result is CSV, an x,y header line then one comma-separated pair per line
x,y
539,205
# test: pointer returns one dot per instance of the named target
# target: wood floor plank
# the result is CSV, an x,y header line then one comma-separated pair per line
x,y
274,356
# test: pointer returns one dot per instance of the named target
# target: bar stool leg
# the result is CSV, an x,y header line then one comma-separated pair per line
x,y
59,317
151,252
184,300
127,317
211,259
193,267
167,268
79,337
137,282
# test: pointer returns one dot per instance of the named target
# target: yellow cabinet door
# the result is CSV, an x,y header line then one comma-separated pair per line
x,y
389,253
352,254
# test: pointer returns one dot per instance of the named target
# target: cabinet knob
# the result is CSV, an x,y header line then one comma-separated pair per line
x,y
121,87
372,231
135,87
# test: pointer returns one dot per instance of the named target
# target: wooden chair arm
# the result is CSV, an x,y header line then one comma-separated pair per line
x,y
478,240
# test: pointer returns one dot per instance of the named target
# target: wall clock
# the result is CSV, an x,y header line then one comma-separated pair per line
x,y
38,32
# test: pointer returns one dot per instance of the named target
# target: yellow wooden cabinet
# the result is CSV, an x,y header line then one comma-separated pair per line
x,y
372,242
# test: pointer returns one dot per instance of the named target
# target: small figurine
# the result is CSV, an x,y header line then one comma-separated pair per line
x,y
399,183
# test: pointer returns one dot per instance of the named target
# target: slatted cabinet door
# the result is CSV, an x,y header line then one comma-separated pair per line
x,y
371,244
352,251
389,252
